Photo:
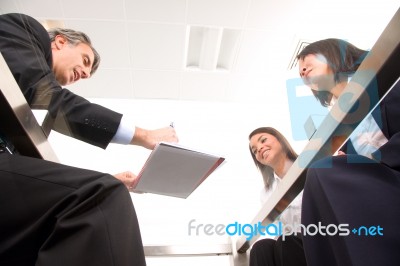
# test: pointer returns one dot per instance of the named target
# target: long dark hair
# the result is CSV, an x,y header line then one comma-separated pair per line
x,y
343,58
266,171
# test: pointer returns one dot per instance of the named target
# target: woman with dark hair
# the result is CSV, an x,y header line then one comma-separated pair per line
x,y
340,60
273,156
359,189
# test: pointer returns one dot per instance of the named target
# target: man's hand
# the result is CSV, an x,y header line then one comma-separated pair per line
x,y
128,178
149,138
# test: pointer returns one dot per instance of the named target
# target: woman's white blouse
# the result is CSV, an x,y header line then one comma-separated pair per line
x,y
292,214
367,137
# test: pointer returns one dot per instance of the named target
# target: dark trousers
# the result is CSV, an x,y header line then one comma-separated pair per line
x,y
357,191
52,214
270,252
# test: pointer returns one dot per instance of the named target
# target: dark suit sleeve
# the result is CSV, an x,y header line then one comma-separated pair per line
x,y
26,47
83,120
389,153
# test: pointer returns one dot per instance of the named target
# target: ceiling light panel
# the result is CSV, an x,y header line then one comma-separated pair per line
x,y
211,48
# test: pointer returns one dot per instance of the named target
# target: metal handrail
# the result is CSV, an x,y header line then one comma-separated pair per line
x,y
17,120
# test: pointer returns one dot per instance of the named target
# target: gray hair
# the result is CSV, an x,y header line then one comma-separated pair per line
x,y
74,38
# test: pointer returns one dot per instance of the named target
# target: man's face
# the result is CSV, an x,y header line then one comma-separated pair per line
x,y
71,63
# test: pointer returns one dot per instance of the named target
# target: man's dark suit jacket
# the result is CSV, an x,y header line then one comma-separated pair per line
x,y
26,47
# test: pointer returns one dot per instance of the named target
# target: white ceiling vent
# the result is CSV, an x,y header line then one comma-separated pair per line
x,y
300,46
211,48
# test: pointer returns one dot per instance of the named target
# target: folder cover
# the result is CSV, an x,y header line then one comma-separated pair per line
x,y
174,170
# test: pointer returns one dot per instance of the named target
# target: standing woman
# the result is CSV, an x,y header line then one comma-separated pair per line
x,y
273,156
362,187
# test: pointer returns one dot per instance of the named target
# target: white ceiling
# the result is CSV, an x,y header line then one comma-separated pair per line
x,y
143,42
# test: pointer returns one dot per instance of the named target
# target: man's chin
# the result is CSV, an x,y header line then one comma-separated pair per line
x,y
65,83
62,82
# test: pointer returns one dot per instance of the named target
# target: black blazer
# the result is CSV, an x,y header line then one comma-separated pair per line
x,y
390,114
387,117
26,47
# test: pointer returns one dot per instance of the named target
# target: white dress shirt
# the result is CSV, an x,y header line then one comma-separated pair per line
x,y
367,137
125,132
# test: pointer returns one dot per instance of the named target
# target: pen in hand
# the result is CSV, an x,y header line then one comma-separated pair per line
x,y
172,126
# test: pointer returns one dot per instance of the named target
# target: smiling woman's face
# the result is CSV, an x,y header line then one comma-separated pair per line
x,y
316,73
266,148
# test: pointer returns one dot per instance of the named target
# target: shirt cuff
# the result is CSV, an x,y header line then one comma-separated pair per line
x,y
125,132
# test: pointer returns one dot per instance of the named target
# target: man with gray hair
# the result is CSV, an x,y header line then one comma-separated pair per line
x,y
53,214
